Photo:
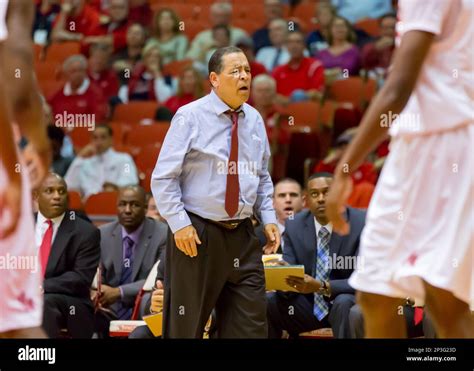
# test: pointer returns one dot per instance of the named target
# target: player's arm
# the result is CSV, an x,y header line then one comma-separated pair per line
x,y
22,87
393,97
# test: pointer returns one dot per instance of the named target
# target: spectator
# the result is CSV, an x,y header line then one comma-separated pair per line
x,y
125,60
273,10
147,81
152,210
190,88
342,58
302,77
79,95
45,14
113,32
318,39
98,167
60,164
129,248
100,72
220,14
167,32
246,45
276,54
323,297
288,201
69,250
356,10
378,54
75,21
221,39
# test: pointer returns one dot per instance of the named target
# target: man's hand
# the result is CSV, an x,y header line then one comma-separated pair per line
x,y
157,298
108,295
186,239
306,285
341,188
37,161
10,199
87,151
272,233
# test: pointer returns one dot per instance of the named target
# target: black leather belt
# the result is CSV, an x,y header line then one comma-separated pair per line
x,y
228,224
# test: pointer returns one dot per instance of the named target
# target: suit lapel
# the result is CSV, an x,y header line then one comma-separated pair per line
x,y
63,235
309,236
117,249
142,246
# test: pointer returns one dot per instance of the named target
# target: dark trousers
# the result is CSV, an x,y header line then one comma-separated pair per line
x,y
142,332
294,313
227,274
68,312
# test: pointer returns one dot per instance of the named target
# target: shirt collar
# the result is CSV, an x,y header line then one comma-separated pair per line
x,y
41,219
220,107
319,226
135,235
67,90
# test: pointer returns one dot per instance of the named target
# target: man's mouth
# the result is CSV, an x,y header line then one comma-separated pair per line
x,y
244,88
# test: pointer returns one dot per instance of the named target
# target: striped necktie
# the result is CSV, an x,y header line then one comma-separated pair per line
x,y
321,306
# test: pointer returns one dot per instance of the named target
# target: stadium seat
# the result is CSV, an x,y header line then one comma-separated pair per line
x,y
80,137
369,25
353,90
60,51
135,111
145,160
102,204
310,114
175,68
75,201
141,135
305,12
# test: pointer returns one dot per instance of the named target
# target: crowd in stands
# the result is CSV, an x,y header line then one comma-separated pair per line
x,y
113,73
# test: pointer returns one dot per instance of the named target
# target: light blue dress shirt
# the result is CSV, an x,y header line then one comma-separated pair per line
x,y
191,171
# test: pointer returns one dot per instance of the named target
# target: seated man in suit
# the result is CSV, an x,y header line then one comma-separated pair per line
x,y
69,252
288,200
129,248
324,296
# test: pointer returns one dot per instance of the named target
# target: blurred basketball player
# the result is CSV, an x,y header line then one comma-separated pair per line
x,y
418,239
21,298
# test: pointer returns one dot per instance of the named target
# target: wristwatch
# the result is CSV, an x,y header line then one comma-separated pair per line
x,y
324,289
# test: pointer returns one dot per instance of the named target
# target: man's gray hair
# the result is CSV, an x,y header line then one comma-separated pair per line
x,y
73,59
264,78
221,6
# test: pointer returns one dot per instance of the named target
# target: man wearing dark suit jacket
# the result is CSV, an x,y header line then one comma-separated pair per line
x,y
324,296
129,248
69,252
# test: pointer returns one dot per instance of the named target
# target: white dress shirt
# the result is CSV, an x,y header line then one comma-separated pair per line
x,y
42,226
88,175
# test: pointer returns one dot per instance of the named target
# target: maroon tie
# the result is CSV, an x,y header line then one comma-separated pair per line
x,y
232,187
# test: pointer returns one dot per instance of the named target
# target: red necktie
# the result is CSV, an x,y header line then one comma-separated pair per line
x,y
45,247
232,186
418,315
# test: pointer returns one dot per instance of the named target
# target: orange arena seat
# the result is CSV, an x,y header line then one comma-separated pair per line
x,y
369,25
60,51
103,203
135,111
141,135
75,201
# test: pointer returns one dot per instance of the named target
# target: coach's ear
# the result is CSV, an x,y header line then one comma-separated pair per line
x,y
214,79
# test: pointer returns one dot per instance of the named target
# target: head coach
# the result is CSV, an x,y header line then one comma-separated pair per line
x,y
210,178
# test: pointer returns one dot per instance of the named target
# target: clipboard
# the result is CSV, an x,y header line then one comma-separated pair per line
x,y
155,323
275,277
